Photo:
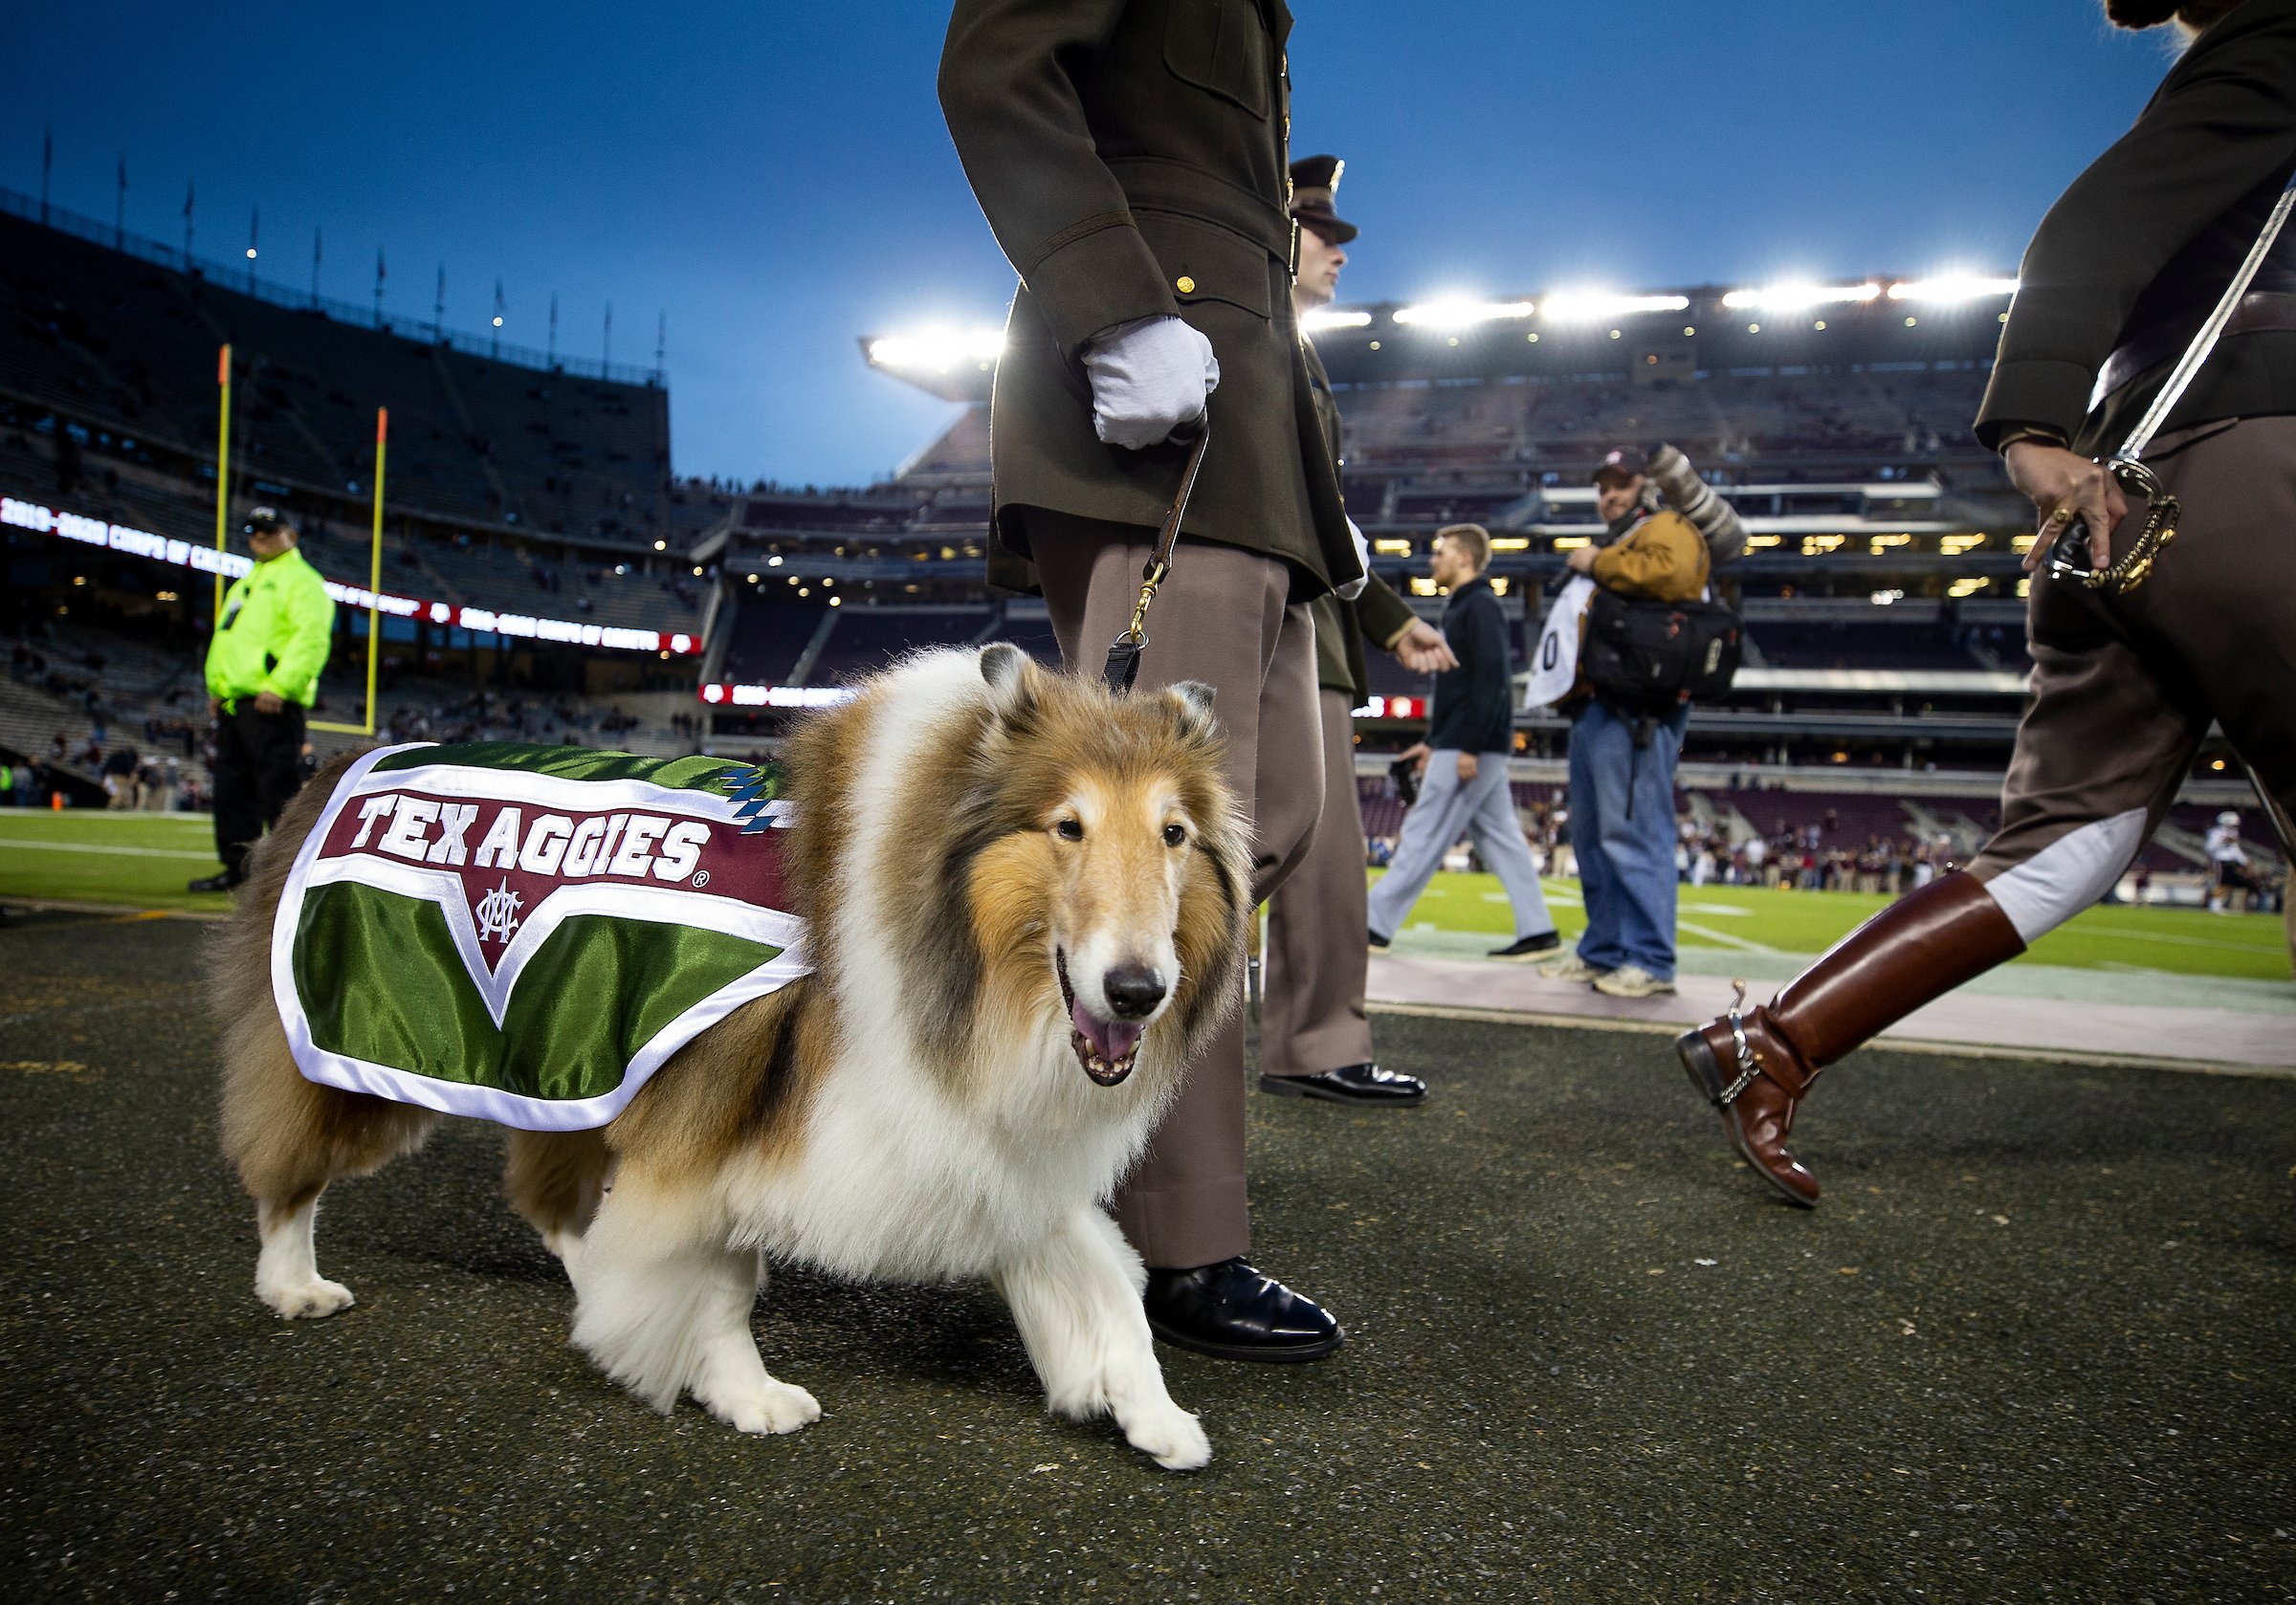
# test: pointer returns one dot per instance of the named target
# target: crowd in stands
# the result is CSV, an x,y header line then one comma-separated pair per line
x,y
1807,858
488,715
1718,418
1815,840
109,701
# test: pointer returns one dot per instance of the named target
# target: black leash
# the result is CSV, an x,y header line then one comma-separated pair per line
x,y
1123,666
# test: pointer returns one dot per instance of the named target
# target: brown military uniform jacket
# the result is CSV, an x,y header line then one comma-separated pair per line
x,y
1131,158
1340,625
2144,242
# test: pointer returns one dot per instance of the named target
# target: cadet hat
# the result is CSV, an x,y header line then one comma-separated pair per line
x,y
1314,185
1617,467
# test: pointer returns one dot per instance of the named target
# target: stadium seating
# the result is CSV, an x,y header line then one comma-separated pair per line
x,y
864,641
518,488
102,336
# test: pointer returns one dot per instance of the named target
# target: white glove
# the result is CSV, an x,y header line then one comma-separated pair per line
x,y
1149,377
1353,589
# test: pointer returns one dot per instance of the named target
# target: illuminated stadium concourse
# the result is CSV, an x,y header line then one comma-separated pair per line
x,y
546,571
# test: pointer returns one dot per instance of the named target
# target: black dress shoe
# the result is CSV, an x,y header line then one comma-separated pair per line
x,y
1349,1083
1531,947
1232,1313
1377,943
225,881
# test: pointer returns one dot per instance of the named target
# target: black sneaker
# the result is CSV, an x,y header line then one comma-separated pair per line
x,y
1530,949
1379,943
229,880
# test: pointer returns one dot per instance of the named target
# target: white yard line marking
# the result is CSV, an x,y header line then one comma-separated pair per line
x,y
2183,941
1729,909
1723,936
107,816
122,852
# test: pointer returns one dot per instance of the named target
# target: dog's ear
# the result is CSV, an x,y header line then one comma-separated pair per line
x,y
1192,710
1015,680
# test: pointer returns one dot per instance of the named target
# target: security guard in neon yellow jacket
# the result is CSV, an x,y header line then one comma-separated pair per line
x,y
263,667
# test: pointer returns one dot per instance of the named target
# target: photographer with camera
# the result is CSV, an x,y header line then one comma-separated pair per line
x,y
1626,672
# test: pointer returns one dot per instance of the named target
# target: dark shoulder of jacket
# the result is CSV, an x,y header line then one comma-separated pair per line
x,y
1481,604
2263,28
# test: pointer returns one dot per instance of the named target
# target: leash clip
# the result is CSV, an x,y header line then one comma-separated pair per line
x,y
1123,665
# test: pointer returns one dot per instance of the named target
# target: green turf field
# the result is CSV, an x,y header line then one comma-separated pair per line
x,y
143,860
2184,941
83,856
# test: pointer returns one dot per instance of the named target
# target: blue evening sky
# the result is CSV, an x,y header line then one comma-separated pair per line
x,y
776,178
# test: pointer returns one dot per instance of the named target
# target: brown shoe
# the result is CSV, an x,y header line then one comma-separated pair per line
x,y
1755,1068
1754,1076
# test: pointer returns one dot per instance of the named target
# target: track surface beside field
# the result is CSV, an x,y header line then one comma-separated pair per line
x,y
2038,1344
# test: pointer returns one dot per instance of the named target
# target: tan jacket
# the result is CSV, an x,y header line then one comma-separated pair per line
x,y
1662,559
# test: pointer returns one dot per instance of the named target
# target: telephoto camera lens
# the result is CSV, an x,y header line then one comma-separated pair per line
x,y
1692,497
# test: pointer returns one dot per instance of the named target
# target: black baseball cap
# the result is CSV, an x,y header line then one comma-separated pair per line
x,y
1617,467
265,520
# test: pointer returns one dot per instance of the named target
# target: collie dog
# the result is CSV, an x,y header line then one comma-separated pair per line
x,y
1026,902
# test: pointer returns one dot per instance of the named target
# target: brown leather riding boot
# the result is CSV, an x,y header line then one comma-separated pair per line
x,y
1755,1067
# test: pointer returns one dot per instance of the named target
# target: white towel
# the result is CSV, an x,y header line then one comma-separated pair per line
x,y
1555,661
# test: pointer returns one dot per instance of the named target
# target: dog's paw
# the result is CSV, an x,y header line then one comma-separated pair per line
x,y
305,1301
1171,1437
774,1407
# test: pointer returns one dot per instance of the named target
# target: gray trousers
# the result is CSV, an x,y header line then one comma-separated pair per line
x,y
1482,811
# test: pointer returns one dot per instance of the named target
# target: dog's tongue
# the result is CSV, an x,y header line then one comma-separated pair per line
x,y
1111,1039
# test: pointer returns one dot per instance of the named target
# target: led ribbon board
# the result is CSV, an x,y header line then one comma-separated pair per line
x,y
230,565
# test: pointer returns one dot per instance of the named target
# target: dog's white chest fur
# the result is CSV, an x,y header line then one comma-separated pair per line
x,y
894,1180
895,1177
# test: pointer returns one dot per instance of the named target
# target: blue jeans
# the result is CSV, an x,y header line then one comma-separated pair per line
x,y
1622,831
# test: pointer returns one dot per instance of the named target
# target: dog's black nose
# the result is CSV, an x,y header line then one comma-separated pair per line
x,y
1133,990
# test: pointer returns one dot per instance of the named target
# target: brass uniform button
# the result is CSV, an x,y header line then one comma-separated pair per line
x,y
1184,284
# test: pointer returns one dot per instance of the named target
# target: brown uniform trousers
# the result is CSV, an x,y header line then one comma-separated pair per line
x,y
1223,617
1312,1016
2123,689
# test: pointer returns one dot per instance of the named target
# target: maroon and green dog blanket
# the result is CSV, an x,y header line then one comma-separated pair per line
x,y
527,934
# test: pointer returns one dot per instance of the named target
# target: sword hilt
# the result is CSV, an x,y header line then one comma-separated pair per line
x,y
2070,557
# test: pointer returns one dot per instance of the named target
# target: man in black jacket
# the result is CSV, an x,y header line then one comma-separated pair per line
x,y
1463,789
2126,684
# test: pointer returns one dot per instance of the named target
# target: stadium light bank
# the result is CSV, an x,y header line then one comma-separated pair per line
x,y
944,350
1458,313
1952,288
937,350
1592,306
